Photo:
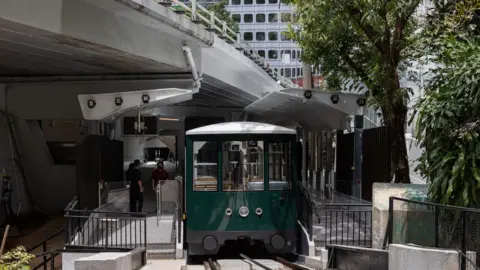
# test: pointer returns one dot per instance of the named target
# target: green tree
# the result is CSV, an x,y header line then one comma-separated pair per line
x,y
448,123
363,43
16,259
223,14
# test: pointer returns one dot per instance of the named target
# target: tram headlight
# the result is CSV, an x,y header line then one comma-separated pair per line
x,y
243,211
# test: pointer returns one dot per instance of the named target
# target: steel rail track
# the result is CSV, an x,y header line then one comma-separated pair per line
x,y
291,265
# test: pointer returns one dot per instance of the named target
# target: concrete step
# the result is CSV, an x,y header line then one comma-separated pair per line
x,y
160,254
161,246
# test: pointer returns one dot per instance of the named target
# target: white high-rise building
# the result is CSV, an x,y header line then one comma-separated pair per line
x,y
264,25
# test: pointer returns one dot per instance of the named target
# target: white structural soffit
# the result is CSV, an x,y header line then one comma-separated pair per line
x,y
316,113
105,106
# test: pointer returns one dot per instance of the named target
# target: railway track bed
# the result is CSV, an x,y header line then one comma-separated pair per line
x,y
247,263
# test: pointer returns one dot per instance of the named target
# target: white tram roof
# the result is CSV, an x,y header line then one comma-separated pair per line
x,y
240,128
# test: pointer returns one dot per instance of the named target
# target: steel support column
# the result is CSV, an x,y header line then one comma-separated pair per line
x,y
304,157
358,153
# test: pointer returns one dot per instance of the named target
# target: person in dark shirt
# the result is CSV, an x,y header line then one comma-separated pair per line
x,y
159,175
134,176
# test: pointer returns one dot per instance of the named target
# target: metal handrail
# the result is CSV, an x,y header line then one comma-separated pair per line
x,y
228,33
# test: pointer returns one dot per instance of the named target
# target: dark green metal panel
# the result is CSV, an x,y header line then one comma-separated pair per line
x,y
206,209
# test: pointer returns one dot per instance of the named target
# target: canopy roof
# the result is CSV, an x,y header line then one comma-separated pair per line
x,y
316,113
240,128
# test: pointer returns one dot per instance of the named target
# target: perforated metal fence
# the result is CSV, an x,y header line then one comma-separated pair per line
x,y
435,225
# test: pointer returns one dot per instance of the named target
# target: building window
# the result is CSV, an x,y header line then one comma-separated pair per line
x,y
298,72
242,166
281,72
260,36
286,17
301,72
272,1
299,53
272,54
261,53
247,18
272,36
285,52
273,17
288,72
248,2
294,54
236,17
284,36
276,70
279,165
205,163
260,2
248,36
293,72
260,17
236,2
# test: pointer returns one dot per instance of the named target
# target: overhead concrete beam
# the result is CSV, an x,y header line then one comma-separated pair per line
x,y
187,111
238,71
120,29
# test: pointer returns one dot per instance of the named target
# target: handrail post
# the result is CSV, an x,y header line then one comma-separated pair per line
x,y
194,10
52,262
224,28
212,20
390,220
463,216
44,249
435,209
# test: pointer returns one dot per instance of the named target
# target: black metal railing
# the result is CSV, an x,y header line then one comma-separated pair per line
x,y
46,258
104,229
348,224
305,207
436,225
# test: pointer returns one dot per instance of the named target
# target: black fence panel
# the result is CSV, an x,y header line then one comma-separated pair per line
x,y
105,230
436,225
348,224
376,159
344,176
97,157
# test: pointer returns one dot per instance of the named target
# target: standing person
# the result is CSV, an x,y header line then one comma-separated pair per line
x,y
159,175
134,176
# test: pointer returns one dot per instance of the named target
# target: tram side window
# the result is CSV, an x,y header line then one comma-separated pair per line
x,y
205,166
243,166
279,165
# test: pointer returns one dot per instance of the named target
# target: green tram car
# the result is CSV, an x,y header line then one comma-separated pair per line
x,y
241,184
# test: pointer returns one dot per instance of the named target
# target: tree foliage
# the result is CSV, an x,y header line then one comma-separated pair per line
x,y
448,123
16,259
363,44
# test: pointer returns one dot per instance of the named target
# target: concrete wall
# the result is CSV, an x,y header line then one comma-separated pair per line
x,y
404,257
57,182
68,259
